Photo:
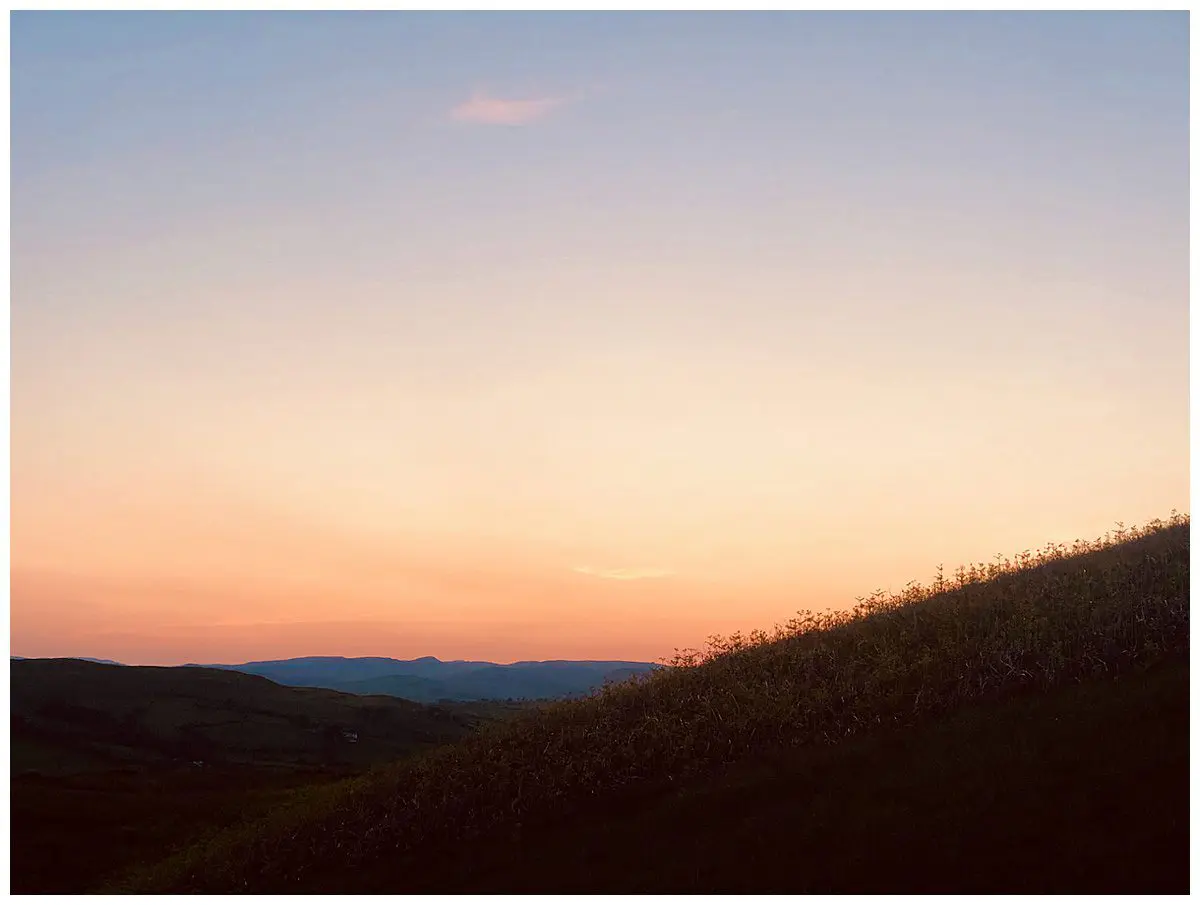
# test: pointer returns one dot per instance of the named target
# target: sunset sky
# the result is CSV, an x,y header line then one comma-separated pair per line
x,y
575,336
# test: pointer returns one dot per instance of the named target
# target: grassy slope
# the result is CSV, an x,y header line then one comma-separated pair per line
x,y
1080,790
1037,625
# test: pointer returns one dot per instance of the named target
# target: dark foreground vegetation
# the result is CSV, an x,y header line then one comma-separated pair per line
x,y
1021,726
1081,790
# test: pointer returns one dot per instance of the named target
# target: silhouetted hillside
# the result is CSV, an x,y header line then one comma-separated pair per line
x,y
1021,726
1074,791
69,715
113,765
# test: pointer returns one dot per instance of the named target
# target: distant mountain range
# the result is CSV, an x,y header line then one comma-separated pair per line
x,y
429,679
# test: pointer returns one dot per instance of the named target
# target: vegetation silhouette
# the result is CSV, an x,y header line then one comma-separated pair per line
x,y
1037,623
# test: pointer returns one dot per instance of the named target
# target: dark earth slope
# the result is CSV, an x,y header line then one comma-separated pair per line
x,y
1081,791
1021,727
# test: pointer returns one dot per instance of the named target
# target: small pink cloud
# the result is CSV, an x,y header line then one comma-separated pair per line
x,y
498,111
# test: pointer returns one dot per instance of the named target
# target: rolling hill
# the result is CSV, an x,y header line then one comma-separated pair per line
x,y
112,765
92,713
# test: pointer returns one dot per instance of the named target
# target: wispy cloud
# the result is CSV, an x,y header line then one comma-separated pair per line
x,y
625,574
499,111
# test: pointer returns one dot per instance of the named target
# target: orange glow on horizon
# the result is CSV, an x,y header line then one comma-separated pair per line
x,y
642,337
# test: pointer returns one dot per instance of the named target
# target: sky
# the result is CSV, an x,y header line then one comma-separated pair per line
x,y
575,336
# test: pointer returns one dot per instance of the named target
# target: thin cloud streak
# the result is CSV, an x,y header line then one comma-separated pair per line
x,y
497,111
625,574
